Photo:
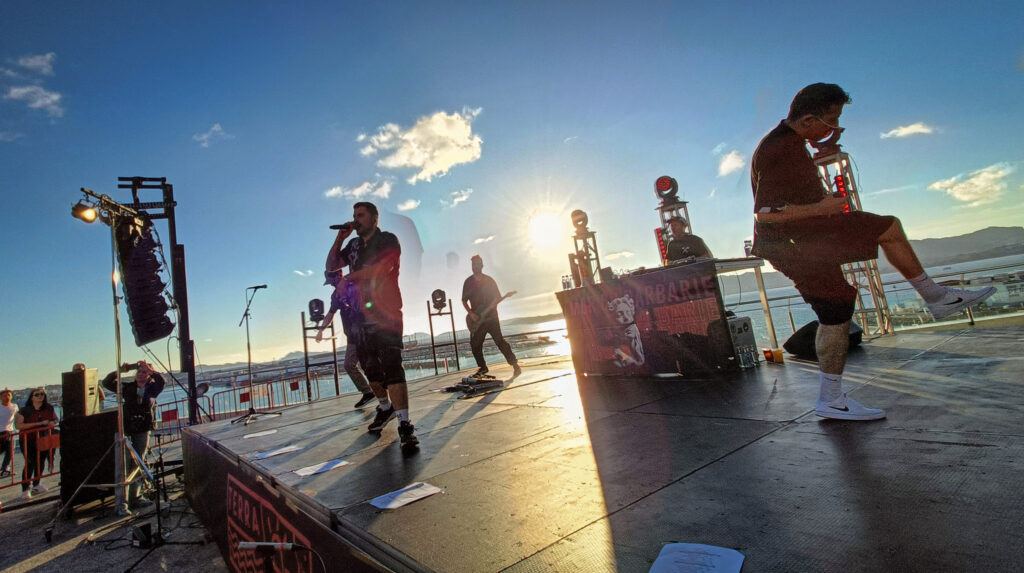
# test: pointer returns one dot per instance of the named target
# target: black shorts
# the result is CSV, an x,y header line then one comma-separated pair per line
x,y
380,355
811,253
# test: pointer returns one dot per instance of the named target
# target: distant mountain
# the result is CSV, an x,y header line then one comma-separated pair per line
x,y
987,243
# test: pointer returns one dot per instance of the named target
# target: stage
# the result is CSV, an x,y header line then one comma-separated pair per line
x,y
597,474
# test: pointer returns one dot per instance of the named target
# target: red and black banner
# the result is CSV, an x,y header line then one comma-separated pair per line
x,y
670,320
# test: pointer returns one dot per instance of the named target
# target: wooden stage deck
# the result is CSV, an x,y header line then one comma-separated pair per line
x,y
557,473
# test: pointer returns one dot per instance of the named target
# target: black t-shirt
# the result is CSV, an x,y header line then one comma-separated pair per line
x,y
782,171
379,296
687,246
481,294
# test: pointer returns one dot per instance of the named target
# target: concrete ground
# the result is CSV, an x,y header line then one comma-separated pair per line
x,y
95,539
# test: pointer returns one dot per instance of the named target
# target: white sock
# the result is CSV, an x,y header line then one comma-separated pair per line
x,y
384,404
831,386
403,415
929,290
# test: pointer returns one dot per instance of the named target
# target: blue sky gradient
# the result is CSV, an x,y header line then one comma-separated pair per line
x,y
260,115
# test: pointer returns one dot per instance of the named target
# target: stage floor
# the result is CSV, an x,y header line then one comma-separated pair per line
x,y
597,474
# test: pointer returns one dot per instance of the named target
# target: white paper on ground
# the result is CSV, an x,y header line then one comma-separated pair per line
x,y
277,452
405,496
258,434
320,468
697,558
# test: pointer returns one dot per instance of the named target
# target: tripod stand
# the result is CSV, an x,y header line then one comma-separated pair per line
x,y
252,414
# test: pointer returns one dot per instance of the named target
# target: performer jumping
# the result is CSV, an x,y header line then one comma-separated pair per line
x,y
480,297
805,234
373,259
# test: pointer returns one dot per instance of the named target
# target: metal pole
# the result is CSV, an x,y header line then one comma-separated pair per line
x,y
305,354
455,336
119,466
433,349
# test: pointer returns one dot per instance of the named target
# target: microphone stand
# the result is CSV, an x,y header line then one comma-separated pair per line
x,y
252,414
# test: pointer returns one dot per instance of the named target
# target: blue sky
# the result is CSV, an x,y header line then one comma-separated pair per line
x,y
484,125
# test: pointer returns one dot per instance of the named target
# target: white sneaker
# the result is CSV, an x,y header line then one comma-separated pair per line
x,y
843,408
27,494
957,299
39,489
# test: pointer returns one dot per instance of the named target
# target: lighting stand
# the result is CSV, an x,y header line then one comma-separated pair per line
x,y
252,414
113,211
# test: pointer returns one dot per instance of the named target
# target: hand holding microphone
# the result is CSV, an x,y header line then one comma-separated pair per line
x,y
344,229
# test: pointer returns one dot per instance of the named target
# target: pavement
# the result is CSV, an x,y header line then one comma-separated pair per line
x,y
94,538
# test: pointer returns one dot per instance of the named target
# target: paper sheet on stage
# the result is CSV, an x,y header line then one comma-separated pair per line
x,y
258,434
320,468
697,558
405,496
277,452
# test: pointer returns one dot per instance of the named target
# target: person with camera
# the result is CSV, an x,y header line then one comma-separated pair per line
x,y
138,400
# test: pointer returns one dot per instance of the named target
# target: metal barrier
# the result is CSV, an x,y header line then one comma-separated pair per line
x,y
45,443
169,419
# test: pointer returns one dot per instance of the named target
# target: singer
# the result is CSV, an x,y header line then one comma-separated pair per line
x,y
373,259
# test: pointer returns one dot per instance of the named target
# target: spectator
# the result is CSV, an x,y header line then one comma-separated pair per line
x,y
7,412
37,414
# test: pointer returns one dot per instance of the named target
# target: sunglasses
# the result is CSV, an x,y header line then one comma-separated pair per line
x,y
42,394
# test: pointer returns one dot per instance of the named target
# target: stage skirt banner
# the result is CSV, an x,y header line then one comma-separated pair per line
x,y
670,320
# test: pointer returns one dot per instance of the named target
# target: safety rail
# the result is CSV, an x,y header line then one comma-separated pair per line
x,y
962,278
43,444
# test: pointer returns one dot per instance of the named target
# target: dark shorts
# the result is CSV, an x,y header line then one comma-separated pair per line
x,y
380,355
811,253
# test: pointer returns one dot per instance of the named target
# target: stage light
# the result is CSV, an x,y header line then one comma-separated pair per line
x,y
579,220
440,299
316,310
84,211
666,188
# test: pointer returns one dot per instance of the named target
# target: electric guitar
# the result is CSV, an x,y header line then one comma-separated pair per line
x,y
482,315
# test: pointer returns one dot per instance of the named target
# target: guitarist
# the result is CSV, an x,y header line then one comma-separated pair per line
x,y
480,297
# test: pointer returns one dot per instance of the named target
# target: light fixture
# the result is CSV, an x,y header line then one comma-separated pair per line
x,y
439,298
84,211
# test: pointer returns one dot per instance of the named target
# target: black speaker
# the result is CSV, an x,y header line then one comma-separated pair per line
x,y
81,394
801,344
84,441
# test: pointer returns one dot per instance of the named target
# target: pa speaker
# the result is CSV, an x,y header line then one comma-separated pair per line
x,y
84,444
801,344
81,393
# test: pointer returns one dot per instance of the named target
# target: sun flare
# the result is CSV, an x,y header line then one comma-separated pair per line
x,y
545,230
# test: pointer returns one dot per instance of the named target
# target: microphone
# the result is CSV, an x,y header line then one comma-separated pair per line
x,y
342,226
258,287
266,546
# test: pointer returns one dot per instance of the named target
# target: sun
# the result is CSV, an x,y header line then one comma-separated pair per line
x,y
545,230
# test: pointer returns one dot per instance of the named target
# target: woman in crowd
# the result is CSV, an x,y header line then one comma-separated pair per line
x,y
37,414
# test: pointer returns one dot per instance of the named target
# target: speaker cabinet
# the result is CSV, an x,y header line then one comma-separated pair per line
x,y
81,393
84,443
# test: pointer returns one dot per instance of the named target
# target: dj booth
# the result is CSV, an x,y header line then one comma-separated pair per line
x,y
669,320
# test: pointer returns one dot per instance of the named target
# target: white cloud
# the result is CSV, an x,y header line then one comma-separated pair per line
x,y
718,149
918,128
456,197
730,163
8,72
408,205
379,188
216,133
888,190
8,136
433,146
572,138
486,239
714,191
305,273
619,255
361,138
42,63
978,188
37,98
